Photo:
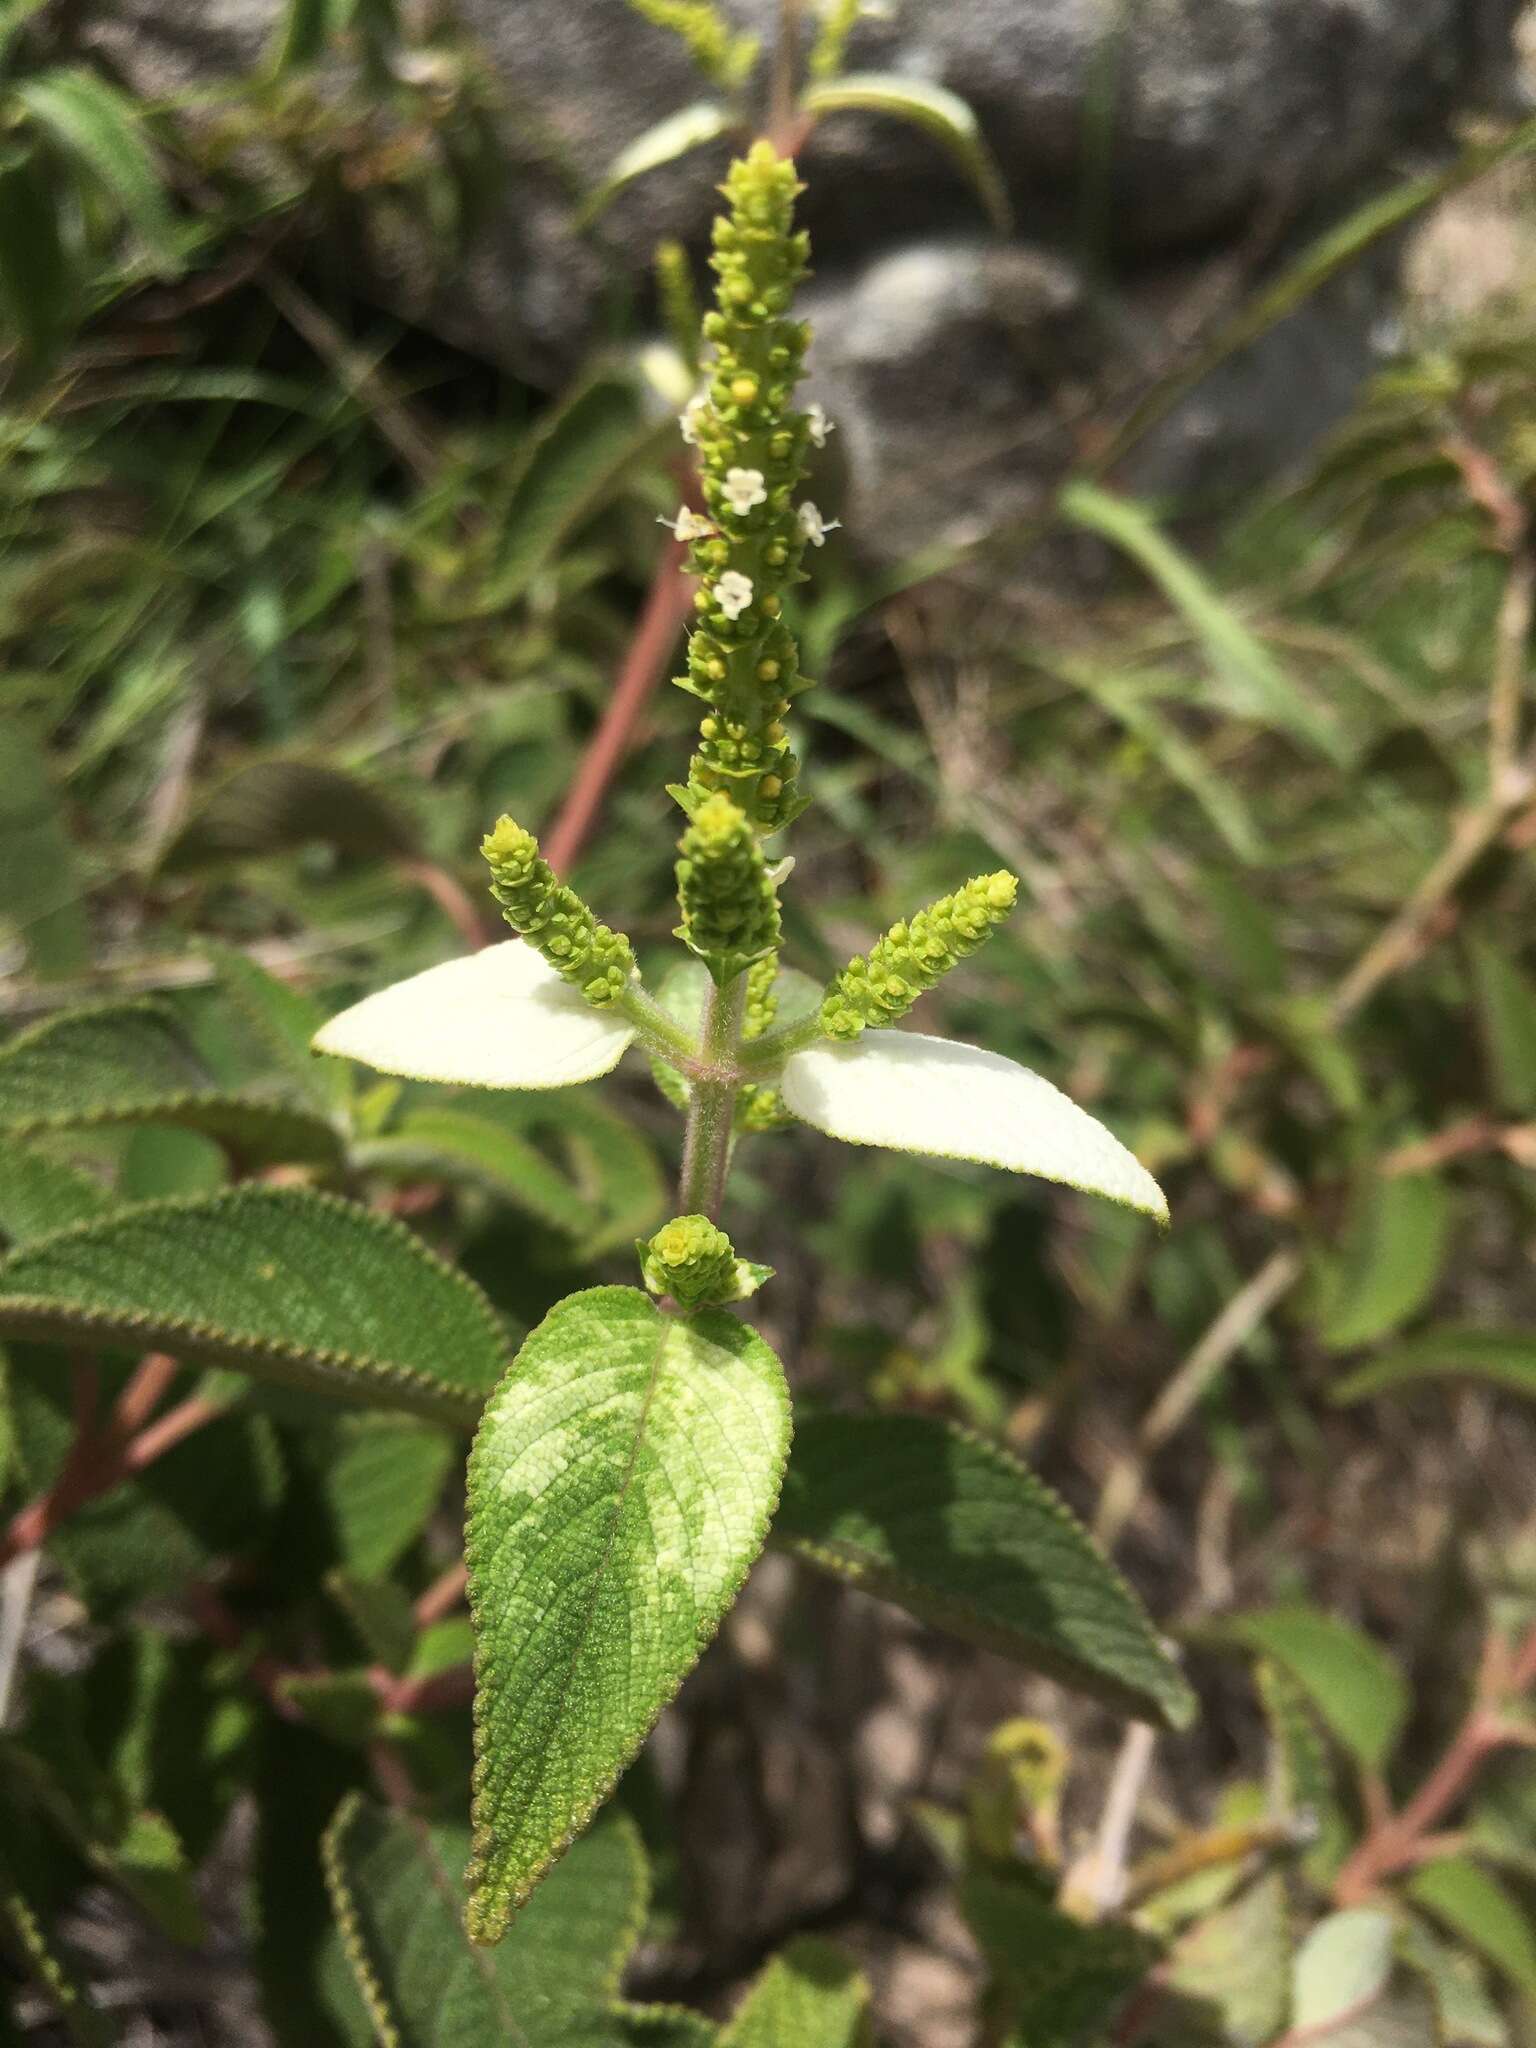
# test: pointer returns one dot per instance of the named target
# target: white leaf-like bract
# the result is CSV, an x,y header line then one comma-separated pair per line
x,y
917,1094
501,1018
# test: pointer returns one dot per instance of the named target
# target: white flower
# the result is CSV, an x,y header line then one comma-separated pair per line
x,y
688,419
689,525
820,426
742,489
733,593
813,526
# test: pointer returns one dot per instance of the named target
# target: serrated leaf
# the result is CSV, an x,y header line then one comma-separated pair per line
x,y
396,1892
1506,1004
39,1195
810,1994
122,1063
1355,1685
666,141
620,1486
499,1018
1498,1358
43,890
99,129
268,807
289,1285
1477,1907
958,1532
1256,684
910,1093
933,108
1396,1243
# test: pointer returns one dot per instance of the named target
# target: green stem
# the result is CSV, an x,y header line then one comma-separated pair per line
x,y
712,1104
761,1055
659,1033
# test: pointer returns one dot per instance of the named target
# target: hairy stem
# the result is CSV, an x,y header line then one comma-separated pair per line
x,y
712,1105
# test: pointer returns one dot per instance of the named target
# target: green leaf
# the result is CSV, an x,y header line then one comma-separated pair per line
x,y
1498,1358
39,1195
381,1614
124,1063
1055,1982
620,1486
39,295
303,35
395,1889
959,1533
1396,1243
677,134
282,1020
99,128
268,807
1344,1964
933,108
1475,1906
459,1143
1258,687
1238,1959
380,1478
1356,1687
1506,1005
297,1287
810,1994
1468,2016
42,881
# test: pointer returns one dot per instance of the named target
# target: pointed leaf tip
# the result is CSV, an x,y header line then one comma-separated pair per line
x,y
501,1018
912,1093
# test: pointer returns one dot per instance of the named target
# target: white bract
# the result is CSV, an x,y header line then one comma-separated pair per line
x,y
744,488
501,1018
911,1093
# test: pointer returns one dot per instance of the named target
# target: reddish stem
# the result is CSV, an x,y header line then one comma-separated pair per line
x,y
443,1595
143,1394
645,660
475,927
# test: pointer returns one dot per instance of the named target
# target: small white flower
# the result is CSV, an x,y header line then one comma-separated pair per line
x,y
688,419
742,489
820,426
733,593
813,526
689,525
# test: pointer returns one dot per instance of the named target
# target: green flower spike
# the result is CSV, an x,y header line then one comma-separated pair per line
x,y
913,956
597,962
696,1264
747,547
730,907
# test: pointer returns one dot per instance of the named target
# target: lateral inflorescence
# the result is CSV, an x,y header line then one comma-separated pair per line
x,y
553,919
915,954
746,546
729,904
693,1261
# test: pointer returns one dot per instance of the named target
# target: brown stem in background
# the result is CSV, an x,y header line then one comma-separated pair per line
x,y
442,1596
476,927
645,660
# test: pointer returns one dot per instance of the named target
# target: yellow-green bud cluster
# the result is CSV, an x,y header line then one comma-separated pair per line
x,y
730,908
751,445
760,1106
695,1263
914,955
553,918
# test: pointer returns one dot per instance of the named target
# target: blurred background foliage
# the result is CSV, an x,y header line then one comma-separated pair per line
x,y
293,600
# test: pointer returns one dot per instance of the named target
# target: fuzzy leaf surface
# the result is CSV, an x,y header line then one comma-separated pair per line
x,y
911,1093
958,1532
396,1889
620,1486
810,1994
39,1195
500,1018
289,1285
126,1063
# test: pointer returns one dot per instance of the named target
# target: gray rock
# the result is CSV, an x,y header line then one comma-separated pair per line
x,y
1152,148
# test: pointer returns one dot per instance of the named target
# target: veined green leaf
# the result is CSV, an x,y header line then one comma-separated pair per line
x,y
95,125
1506,1002
1395,1246
1357,1688
277,806
690,128
1258,686
395,1886
1499,1358
958,1532
124,1063
39,1195
620,1486
280,1282
1478,1908
810,1994
380,1478
933,108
